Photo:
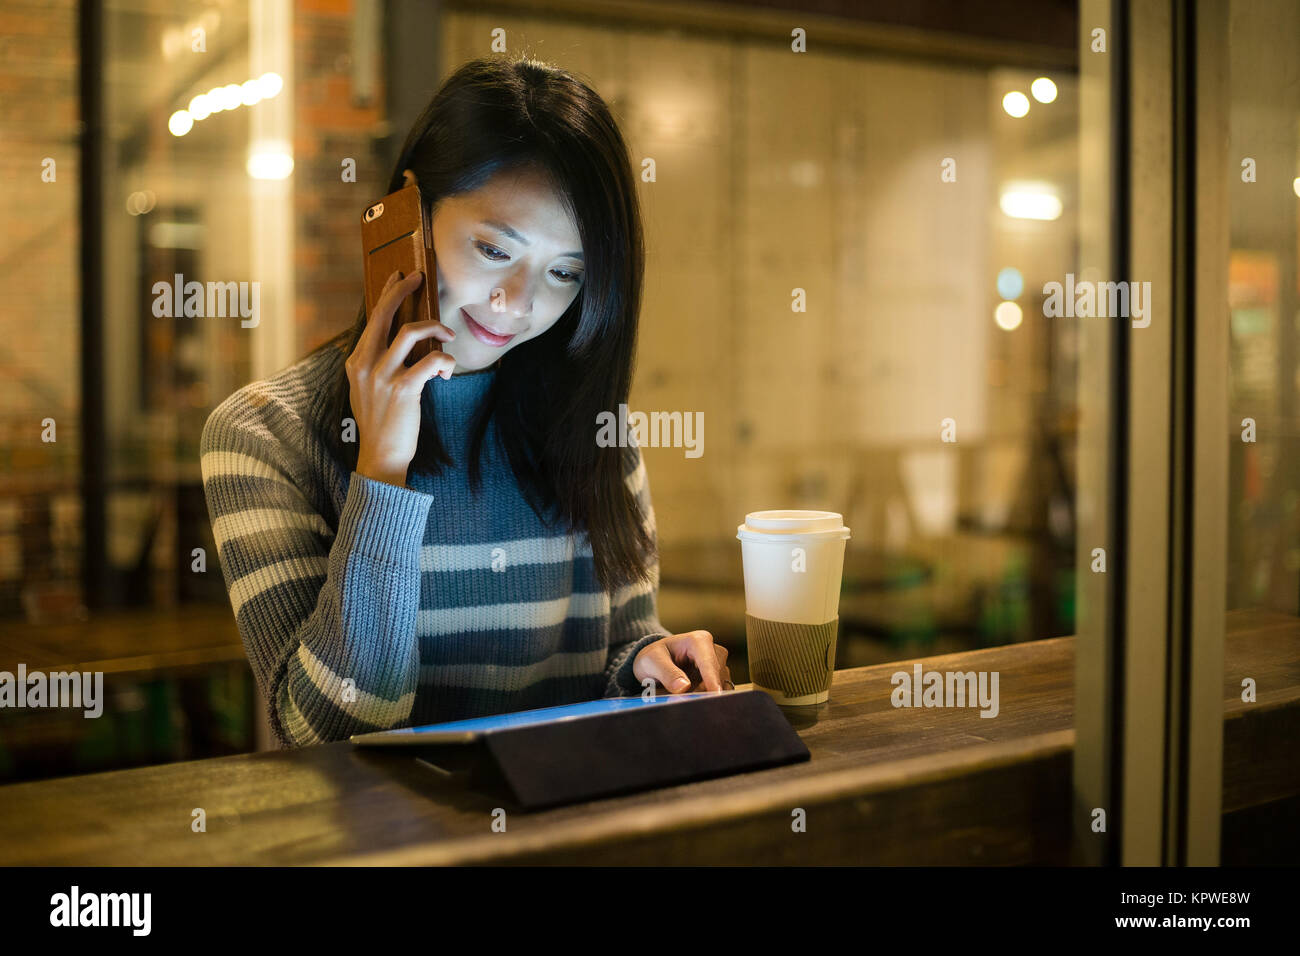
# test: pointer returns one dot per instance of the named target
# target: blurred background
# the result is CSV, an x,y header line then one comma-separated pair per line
x,y
917,169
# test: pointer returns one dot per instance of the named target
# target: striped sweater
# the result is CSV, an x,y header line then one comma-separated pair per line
x,y
364,605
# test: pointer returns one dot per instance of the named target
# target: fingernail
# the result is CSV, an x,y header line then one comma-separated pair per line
x,y
682,682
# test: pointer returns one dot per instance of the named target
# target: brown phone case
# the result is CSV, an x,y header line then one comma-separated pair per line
x,y
396,235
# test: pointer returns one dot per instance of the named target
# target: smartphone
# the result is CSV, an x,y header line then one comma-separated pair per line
x,y
396,235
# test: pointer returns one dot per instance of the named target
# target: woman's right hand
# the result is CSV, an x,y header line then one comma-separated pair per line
x,y
385,393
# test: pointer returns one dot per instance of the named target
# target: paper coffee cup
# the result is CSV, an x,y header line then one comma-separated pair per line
x,y
793,562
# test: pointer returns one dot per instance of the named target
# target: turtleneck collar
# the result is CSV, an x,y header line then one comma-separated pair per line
x,y
456,399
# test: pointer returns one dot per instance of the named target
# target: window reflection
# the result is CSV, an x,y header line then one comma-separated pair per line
x,y
1264,154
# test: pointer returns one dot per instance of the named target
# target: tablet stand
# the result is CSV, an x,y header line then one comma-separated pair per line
x,y
547,765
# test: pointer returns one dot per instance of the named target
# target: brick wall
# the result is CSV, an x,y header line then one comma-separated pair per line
x,y
330,125
39,333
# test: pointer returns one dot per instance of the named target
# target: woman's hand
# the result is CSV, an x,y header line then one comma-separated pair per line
x,y
705,663
385,393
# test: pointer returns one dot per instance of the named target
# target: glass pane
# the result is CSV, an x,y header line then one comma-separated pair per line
x,y
850,252
40,401
1264,570
191,112
1263,341
848,255
176,218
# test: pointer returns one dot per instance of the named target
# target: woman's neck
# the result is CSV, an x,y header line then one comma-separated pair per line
x,y
479,371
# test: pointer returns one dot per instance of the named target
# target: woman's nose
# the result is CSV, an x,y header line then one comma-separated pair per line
x,y
515,299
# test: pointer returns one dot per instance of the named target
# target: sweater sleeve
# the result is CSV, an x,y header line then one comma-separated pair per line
x,y
328,619
634,618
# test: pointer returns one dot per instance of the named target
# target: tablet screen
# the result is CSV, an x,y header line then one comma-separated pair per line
x,y
463,730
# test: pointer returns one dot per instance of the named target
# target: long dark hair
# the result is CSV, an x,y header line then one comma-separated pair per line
x,y
498,114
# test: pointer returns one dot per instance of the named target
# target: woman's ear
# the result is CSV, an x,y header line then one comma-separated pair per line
x,y
408,177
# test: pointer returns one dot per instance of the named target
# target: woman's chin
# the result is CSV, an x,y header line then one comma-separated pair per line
x,y
466,363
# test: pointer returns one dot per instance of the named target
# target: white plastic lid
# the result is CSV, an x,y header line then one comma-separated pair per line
x,y
763,524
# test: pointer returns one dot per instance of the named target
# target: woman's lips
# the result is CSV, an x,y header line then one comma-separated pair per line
x,y
482,334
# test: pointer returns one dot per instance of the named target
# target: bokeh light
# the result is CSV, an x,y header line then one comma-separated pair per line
x,y
1044,90
1008,316
1016,104
1010,283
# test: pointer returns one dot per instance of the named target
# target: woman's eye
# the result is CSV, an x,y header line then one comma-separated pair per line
x,y
493,254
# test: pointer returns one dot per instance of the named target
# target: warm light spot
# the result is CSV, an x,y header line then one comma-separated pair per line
x,y
1007,315
140,202
1031,201
234,95
271,84
1044,90
271,162
181,122
1016,104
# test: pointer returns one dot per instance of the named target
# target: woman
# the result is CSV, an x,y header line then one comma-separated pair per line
x,y
405,546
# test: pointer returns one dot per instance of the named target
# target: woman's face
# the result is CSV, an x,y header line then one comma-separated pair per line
x,y
509,264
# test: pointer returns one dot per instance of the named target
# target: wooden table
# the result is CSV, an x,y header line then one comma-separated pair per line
x,y
138,642
183,646
884,786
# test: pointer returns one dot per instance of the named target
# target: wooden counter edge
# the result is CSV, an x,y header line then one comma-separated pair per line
x,y
686,812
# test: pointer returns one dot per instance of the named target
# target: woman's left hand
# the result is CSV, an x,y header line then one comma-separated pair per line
x,y
685,663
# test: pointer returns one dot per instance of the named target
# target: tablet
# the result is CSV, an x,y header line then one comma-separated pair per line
x,y
467,731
